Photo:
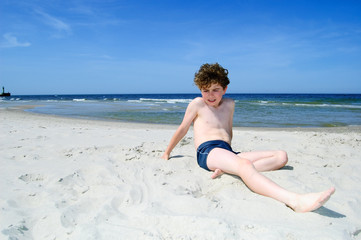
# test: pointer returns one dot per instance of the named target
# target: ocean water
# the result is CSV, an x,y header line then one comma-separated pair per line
x,y
252,110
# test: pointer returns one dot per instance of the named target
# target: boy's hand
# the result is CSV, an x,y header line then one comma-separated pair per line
x,y
165,156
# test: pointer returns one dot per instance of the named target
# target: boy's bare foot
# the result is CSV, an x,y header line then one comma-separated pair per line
x,y
311,201
216,173
165,156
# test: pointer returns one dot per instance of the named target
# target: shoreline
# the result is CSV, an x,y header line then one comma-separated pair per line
x,y
22,109
254,110
66,178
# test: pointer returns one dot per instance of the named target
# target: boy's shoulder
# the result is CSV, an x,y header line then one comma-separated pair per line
x,y
197,102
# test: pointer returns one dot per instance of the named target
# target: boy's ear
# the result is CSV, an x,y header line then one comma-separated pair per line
x,y
225,89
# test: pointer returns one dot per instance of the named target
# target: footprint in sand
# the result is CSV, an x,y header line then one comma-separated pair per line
x,y
196,193
74,185
20,231
185,141
32,177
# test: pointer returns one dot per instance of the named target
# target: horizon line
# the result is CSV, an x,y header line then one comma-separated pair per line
x,y
189,93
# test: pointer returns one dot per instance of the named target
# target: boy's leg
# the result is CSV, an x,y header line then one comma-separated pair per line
x,y
231,163
262,160
266,160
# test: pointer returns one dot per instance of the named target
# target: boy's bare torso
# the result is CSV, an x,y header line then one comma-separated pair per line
x,y
213,123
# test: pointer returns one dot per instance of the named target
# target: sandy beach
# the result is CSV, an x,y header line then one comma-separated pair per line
x,y
65,178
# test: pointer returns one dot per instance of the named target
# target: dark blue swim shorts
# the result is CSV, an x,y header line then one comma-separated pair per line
x,y
204,149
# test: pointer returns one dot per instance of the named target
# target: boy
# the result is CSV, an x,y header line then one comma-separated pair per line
x,y
212,118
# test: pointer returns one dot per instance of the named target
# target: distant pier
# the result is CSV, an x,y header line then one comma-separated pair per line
x,y
5,94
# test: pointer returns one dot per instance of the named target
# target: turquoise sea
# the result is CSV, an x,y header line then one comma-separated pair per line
x,y
252,110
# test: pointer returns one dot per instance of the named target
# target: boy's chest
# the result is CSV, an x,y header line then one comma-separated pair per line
x,y
214,116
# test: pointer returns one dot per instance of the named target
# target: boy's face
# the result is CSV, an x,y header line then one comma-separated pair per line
x,y
213,94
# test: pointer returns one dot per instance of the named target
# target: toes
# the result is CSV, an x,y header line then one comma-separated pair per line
x,y
217,173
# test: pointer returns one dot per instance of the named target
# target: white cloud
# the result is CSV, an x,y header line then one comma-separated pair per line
x,y
54,22
11,41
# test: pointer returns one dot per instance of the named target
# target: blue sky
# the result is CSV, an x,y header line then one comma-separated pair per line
x,y
109,46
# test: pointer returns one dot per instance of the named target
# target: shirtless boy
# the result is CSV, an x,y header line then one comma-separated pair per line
x,y
212,118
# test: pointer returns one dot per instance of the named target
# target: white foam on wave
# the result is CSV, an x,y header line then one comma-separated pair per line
x,y
327,105
14,100
307,104
163,100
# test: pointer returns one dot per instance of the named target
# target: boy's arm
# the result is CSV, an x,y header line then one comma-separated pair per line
x,y
183,128
231,118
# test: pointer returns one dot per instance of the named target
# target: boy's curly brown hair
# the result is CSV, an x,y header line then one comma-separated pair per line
x,y
209,74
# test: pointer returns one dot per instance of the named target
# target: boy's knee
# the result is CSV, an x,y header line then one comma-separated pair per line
x,y
282,158
243,162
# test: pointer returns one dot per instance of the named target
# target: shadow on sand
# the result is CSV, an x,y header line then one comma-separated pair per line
x,y
328,213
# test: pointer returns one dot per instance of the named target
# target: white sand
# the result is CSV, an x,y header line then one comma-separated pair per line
x,y
80,179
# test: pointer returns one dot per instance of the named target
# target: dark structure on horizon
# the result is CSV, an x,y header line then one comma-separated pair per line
x,y
4,94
